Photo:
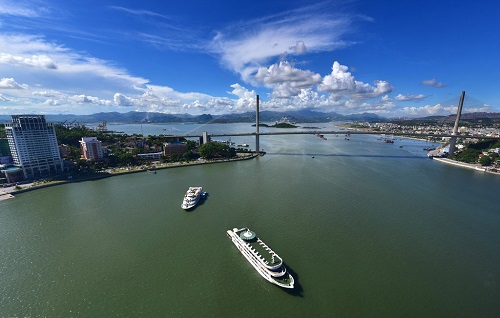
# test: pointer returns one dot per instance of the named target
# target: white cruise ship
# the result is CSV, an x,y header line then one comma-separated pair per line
x,y
192,197
267,263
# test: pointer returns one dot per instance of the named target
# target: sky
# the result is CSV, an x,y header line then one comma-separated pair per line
x,y
391,58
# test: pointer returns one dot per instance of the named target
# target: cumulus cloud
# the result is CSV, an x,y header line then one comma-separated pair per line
x,y
156,99
429,110
84,99
10,83
52,102
286,80
41,61
242,92
433,83
122,100
410,97
342,81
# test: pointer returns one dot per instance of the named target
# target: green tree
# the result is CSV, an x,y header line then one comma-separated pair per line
x,y
212,150
468,155
485,160
208,150
126,159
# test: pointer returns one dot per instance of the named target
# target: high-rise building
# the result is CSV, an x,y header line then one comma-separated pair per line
x,y
91,148
33,145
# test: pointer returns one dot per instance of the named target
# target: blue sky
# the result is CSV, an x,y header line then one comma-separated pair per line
x,y
392,58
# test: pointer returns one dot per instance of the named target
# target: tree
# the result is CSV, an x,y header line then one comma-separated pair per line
x,y
469,155
208,150
126,158
216,150
485,160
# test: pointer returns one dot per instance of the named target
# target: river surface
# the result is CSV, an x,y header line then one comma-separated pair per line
x,y
368,229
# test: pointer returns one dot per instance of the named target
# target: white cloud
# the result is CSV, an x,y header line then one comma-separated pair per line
x,y
122,100
433,83
341,81
428,110
10,83
60,68
52,102
300,48
286,80
137,12
246,47
48,94
41,61
242,92
84,99
21,9
410,97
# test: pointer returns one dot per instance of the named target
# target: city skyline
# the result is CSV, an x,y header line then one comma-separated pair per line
x,y
403,59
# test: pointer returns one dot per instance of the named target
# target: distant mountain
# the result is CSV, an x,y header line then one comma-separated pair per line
x,y
299,116
265,116
480,117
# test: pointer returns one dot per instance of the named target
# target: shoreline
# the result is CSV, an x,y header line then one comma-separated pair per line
x,y
470,166
6,194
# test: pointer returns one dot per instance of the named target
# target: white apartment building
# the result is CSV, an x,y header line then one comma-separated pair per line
x,y
91,148
33,145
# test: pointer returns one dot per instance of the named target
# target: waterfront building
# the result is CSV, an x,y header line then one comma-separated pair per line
x,y
150,156
33,145
174,148
91,148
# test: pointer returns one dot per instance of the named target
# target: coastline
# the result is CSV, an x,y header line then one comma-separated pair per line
x,y
6,194
471,166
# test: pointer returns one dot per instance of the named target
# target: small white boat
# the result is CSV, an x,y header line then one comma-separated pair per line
x,y
192,197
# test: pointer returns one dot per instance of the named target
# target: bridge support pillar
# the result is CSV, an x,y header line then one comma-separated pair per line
x,y
453,140
257,144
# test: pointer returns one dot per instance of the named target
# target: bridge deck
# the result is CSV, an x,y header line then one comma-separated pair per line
x,y
338,132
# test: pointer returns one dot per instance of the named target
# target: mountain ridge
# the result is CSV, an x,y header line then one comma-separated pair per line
x,y
305,115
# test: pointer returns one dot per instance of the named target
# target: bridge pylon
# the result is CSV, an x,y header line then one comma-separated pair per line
x,y
453,140
257,144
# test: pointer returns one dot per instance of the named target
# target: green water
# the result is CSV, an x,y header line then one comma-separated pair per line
x,y
367,229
